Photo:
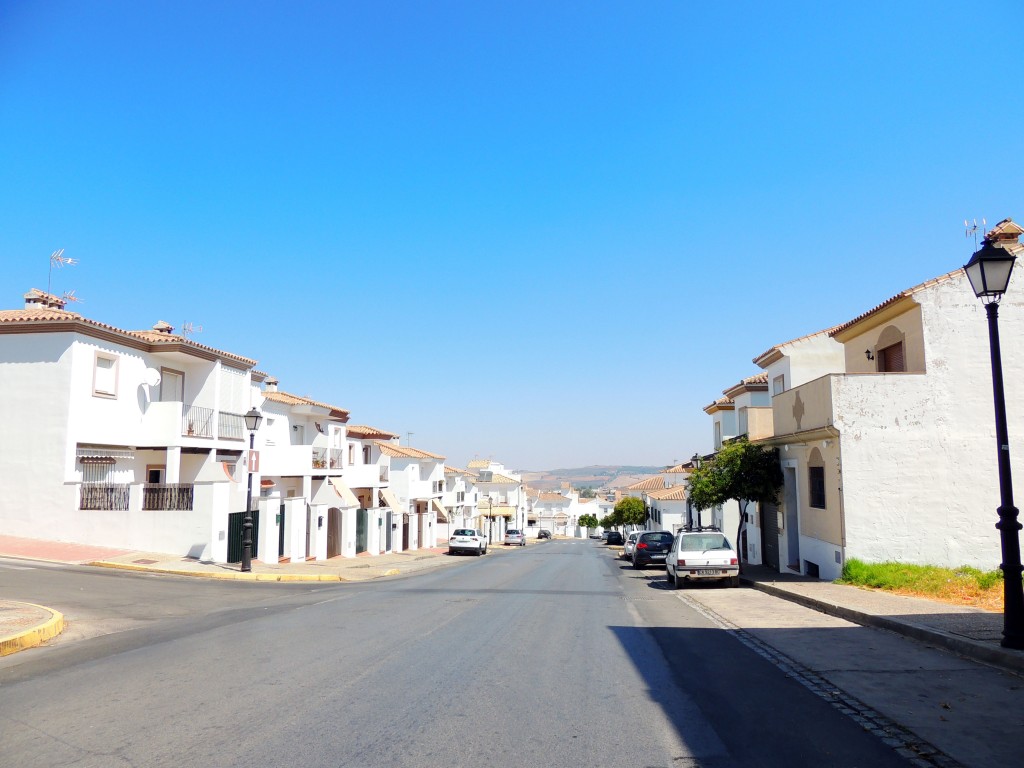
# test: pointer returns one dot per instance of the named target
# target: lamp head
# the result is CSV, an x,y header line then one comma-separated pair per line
x,y
253,419
989,271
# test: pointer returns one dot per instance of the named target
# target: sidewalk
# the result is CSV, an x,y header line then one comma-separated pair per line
x,y
968,631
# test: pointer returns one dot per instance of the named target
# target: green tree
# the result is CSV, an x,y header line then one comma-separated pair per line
x,y
742,471
630,511
588,493
588,521
607,522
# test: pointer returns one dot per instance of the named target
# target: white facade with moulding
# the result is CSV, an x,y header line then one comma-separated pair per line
x,y
124,439
900,465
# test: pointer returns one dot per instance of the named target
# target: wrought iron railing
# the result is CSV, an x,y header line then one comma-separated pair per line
x,y
319,458
104,496
159,496
231,426
197,422
383,474
335,458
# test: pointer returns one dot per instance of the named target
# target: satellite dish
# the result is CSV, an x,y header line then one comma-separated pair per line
x,y
152,377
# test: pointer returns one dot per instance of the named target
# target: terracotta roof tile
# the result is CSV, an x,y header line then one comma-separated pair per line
x,y
479,463
675,493
899,296
361,431
289,399
405,452
649,484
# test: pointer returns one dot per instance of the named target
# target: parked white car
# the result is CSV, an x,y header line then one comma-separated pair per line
x,y
467,540
702,556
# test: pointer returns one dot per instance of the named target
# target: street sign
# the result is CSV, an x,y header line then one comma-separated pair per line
x,y
254,461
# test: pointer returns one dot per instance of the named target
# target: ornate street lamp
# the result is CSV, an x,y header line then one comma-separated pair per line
x,y
989,272
695,461
253,419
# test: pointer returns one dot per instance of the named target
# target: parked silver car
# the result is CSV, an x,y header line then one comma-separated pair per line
x,y
515,537
627,547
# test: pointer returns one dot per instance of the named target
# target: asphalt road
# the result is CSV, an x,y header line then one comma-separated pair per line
x,y
555,655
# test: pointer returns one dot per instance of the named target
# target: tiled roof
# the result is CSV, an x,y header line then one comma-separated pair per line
x,y
289,399
898,297
551,496
500,479
649,484
455,471
12,318
405,451
721,404
361,431
772,354
479,463
675,493
755,383
676,470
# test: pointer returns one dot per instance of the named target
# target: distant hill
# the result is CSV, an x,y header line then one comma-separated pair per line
x,y
595,476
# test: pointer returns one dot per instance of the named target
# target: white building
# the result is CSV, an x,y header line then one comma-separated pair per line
x,y
130,439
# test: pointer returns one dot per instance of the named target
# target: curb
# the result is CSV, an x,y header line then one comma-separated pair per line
x,y
35,636
972,649
229,576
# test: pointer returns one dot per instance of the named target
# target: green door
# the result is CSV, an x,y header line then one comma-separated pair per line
x,y
362,520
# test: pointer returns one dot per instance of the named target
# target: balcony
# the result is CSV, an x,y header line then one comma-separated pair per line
x,y
231,426
197,421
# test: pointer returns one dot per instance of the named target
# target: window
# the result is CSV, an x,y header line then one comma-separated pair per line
x,y
816,482
172,386
743,421
779,384
104,375
366,454
351,454
890,359
718,435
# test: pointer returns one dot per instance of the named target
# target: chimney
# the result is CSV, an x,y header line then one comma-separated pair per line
x,y
270,385
36,299
162,326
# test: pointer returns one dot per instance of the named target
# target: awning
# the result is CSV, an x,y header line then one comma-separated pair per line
x,y
391,501
442,516
496,510
348,499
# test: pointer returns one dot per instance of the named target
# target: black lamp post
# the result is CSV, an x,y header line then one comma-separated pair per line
x,y
989,272
253,419
695,460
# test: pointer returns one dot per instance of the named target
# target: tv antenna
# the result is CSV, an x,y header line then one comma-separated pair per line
x,y
188,329
408,438
972,229
69,296
58,258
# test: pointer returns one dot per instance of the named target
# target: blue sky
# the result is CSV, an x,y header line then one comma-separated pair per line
x,y
547,233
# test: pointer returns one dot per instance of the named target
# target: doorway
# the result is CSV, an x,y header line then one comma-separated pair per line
x,y
792,520
333,532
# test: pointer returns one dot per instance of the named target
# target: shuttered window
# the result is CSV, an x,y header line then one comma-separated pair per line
x,y
890,359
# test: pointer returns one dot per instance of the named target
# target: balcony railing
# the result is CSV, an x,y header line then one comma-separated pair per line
x,y
335,458
319,458
383,474
231,426
173,496
197,421
104,496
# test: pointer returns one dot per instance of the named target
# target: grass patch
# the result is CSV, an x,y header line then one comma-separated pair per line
x,y
963,586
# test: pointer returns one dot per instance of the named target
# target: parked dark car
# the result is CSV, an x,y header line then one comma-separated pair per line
x,y
651,548
543,534
614,537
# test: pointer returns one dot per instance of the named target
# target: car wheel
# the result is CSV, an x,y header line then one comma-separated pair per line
x,y
734,581
673,578
636,565
451,551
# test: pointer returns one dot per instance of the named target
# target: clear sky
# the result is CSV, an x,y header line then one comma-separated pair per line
x,y
544,232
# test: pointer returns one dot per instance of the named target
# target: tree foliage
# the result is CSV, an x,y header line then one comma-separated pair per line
x,y
740,470
630,511
588,493
607,522
588,521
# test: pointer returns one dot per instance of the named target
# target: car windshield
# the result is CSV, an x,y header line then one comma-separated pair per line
x,y
513,533
465,532
701,542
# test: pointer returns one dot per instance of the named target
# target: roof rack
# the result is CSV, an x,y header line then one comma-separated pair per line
x,y
696,528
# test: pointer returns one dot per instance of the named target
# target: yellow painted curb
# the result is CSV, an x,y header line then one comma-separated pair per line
x,y
35,636
392,572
